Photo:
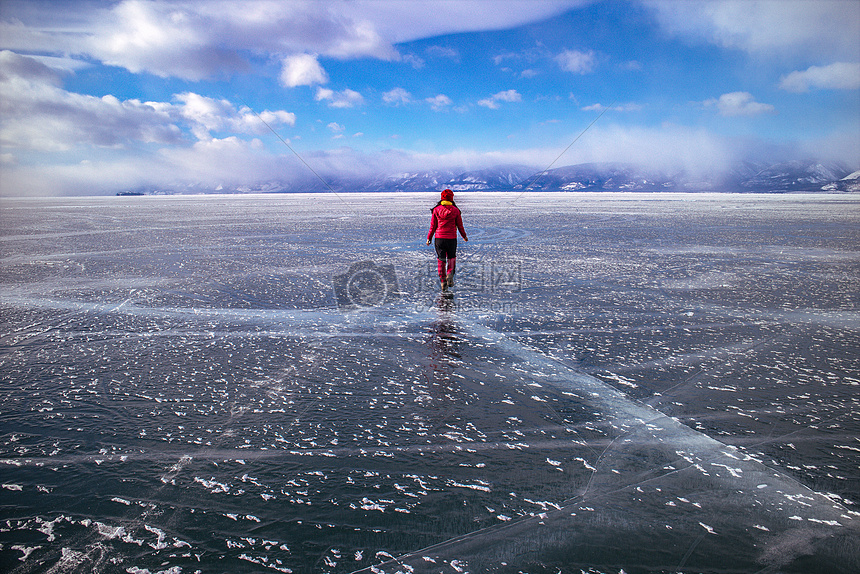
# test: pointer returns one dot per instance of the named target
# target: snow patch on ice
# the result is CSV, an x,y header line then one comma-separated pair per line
x,y
26,550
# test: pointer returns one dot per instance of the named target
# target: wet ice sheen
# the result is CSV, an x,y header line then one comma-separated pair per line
x,y
629,382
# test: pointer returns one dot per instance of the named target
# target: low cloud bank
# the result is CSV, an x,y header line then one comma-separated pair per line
x,y
233,163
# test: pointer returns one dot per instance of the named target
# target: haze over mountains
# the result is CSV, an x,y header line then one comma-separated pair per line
x,y
743,177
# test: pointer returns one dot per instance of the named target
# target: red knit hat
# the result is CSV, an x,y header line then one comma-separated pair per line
x,y
447,195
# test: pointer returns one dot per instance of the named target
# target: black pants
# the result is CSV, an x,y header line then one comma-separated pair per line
x,y
446,254
446,248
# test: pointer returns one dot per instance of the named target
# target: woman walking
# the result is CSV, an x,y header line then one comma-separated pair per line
x,y
445,223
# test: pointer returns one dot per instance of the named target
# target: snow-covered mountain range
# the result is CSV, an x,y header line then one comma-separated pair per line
x,y
745,177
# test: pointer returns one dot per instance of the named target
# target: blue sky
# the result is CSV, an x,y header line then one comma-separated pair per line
x,y
97,97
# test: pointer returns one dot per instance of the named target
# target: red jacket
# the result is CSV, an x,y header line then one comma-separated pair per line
x,y
445,222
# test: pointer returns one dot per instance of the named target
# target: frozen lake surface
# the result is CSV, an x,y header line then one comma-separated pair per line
x,y
626,382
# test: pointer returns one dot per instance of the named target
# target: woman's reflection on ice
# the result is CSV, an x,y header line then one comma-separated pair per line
x,y
444,350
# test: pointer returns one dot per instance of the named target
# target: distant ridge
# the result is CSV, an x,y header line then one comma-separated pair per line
x,y
796,176
498,178
850,182
744,177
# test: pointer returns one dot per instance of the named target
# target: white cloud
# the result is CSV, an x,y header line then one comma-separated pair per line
x,y
629,107
416,19
25,68
197,39
343,99
397,97
228,161
415,61
36,113
16,35
807,27
668,147
324,94
439,102
63,64
363,40
493,101
577,62
499,58
837,76
204,115
842,146
216,160
164,39
739,104
276,117
443,52
335,127
302,70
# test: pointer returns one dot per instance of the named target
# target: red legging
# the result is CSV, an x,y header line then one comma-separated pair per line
x,y
451,267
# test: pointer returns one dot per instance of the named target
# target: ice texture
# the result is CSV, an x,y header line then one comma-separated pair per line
x,y
617,382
